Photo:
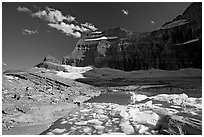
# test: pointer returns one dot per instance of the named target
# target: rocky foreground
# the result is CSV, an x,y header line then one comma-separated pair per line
x,y
46,101
39,96
182,116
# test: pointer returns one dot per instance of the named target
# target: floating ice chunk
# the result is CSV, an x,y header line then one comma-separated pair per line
x,y
172,106
81,123
58,131
87,129
64,122
115,133
124,114
85,110
127,129
146,117
141,128
95,121
137,97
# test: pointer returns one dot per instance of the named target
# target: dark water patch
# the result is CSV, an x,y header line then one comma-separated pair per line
x,y
194,92
117,98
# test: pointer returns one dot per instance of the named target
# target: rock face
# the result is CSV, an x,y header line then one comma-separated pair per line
x,y
177,44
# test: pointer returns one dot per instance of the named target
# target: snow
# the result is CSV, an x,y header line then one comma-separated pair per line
x,y
96,32
73,72
187,42
175,24
73,69
11,77
101,38
70,75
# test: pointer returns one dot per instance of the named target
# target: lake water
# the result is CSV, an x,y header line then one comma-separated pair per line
x,y
118,98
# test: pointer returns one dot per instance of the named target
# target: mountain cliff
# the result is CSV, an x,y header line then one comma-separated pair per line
x,y
177,44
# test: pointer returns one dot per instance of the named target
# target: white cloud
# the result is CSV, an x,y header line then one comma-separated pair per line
x,y
23,9
89,26
125,12
153,22
29,32
52,15
67,24
4,64
68,29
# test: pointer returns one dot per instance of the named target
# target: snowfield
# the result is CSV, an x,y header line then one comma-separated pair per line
x,y
73,72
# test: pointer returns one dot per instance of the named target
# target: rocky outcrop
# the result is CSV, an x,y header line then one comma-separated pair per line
x,y
51,59
49,62
177,44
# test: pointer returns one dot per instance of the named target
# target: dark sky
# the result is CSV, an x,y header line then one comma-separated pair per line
x,y
27,40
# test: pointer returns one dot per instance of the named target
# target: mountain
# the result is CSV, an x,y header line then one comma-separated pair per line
x,y
177,44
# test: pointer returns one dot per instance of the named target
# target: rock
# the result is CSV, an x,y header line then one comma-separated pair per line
x,y
28,88
50,65
51,59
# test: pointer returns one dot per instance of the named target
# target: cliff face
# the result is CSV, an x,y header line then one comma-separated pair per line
x,y
177,44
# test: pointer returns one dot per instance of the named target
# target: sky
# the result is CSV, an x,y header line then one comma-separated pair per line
x,y
30,31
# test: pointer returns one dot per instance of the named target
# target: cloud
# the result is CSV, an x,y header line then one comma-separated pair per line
x,y
125,12
4,64
153,22
52,15
23,9
68,29
65,23
89,26
29,32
